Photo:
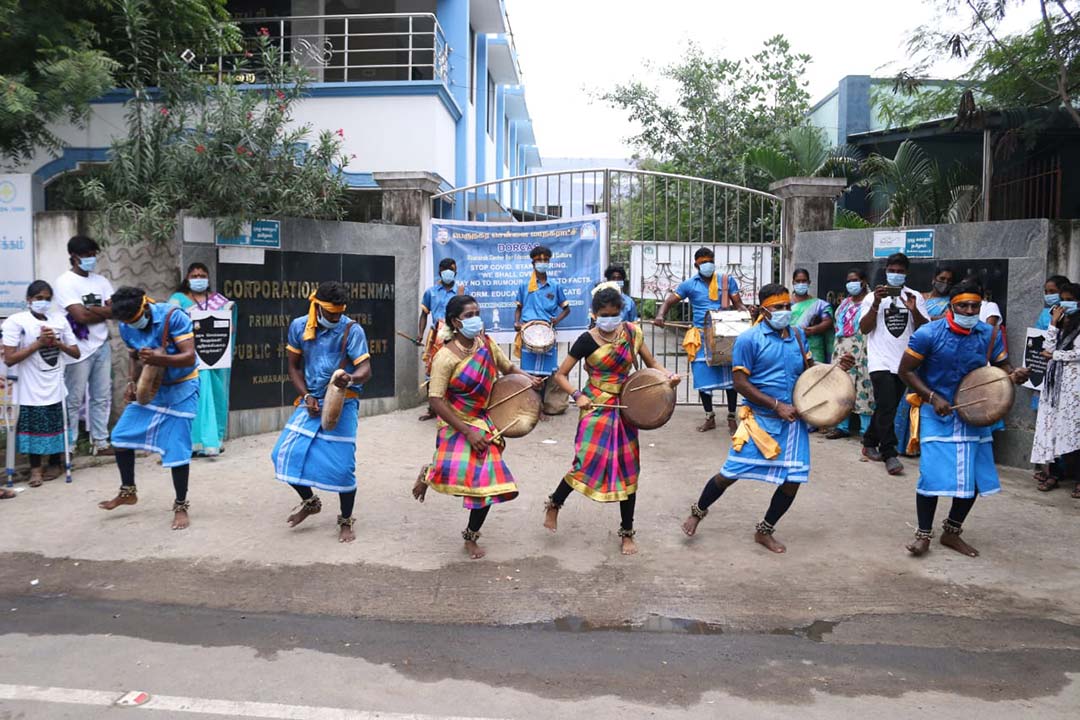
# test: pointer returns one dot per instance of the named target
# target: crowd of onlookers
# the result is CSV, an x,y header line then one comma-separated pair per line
x,y
59,358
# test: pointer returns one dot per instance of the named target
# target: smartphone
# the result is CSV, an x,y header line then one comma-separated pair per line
x,y
892,291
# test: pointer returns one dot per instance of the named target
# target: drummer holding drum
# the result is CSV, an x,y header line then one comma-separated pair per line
x,y
957,458
541,306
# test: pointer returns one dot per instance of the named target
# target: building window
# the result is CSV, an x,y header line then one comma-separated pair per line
x,y
472,66
490,107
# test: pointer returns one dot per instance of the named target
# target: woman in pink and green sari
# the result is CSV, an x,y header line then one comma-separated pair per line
x,y
468,460
212,418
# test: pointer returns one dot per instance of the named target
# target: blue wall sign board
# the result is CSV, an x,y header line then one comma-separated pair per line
x,y
913,243
261,234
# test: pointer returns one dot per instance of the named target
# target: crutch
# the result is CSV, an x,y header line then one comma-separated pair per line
x,y
11,421
67,441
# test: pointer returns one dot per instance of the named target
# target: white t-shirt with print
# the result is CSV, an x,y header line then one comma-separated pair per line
x,y
41,375
988,310
92,291
886,344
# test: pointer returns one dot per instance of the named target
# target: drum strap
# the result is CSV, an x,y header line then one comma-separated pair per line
x,y
802,349
725,299
165,342
345,345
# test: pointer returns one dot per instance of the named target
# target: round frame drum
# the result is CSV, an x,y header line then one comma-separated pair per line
x,y
824,395
149,383
986,393
332,403
537,336
650,407
523,407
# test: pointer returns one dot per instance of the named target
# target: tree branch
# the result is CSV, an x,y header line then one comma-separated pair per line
x,y
1063,81
1001,46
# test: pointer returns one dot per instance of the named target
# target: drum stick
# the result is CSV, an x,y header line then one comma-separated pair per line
x,y
967,404
813,407
657,382
498,433
985,382
601,406
410,338
684,326
513,394
815,384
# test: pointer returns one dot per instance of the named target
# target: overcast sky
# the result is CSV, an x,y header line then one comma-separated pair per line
x,y
569,48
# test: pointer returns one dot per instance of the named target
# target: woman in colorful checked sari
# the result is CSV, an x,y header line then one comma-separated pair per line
x,y
957,458
606,463
468,459
306,455
850,340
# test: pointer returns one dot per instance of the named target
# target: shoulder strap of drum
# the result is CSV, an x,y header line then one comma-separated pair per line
x,y
725,299
802,348
345,344
165,327
637,332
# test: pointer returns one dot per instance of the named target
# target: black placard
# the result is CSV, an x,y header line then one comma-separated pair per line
x,y
1034,360
212,337
270,295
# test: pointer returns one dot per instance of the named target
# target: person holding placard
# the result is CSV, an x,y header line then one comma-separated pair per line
x,y
1047,478
211,419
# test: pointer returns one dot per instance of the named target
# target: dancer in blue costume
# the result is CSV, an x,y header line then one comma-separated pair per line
x,y
957,458
306,456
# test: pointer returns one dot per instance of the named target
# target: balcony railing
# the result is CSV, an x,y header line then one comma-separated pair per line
x,y
352,48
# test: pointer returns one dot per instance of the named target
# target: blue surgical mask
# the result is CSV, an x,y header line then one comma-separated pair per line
x,y
40,306
327,323
142,322
541,267
801,288
87,264
607,323
199,284
447,276
854,288
1051,299
473,326
1069,306
780,319
707,269
896,279
965,321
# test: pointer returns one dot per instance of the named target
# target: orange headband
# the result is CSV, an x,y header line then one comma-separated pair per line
x,y
313,317
778,299
966,297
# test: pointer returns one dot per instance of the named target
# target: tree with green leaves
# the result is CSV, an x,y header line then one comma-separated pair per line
x,y
1036,68
805,152
912,188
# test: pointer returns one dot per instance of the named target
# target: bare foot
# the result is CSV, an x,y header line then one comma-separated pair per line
x,y
629,547
475,551
52,472
304,511
419,490
551,518
770,542
689,526
953,540
118,501
346,534
180,520
918,546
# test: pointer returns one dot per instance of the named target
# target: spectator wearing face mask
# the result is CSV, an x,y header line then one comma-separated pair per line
x,y
1057,426
1047,478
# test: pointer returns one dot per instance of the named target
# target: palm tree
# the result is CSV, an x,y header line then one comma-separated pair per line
x,y
805,152
912,188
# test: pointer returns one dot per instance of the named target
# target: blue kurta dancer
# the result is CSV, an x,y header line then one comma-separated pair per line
x,y
305,453
696,291
543,303
162,426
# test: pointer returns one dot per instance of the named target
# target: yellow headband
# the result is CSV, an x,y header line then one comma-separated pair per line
x,y
146,300
313,316
778,299
967,297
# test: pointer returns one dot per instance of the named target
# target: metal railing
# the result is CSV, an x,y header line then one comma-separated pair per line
x,y
655,223
351,48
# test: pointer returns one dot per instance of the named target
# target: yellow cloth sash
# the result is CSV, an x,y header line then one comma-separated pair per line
x,y
691,343
313,316
913,424
750,430
532,282
714,286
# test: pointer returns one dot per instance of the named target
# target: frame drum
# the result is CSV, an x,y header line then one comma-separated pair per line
x,y
333,402
537,336
149,383
650,407
987,394
824,395
524,407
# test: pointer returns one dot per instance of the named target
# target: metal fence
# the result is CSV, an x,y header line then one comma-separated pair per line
x,y
655,223
347,48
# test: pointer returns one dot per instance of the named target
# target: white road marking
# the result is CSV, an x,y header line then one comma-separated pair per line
x,y
205,706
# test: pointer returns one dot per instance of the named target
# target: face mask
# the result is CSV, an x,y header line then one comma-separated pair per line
x,y
896,279
707,269
1051,299
854,287
965,321
801,288
326,323
942,288
541,267
40,306
608,323
199,284
88,264
447,276
1069,306
471,327
780,319
142,322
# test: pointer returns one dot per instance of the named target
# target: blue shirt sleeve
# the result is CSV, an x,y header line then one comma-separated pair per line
x,y
745,352
921,341
732,285
296,334
560,296
426,302
357,345
523,290
180,324
683,290
630,311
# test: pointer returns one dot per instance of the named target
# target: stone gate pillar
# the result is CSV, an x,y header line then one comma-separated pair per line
x,y
809,204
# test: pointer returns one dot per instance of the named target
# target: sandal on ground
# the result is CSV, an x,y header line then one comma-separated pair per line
x,y
1048,484
36,480
1039,476
836,434
1076,491
429,415
6,494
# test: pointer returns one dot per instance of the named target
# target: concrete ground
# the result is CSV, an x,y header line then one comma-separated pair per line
x,y
242,608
